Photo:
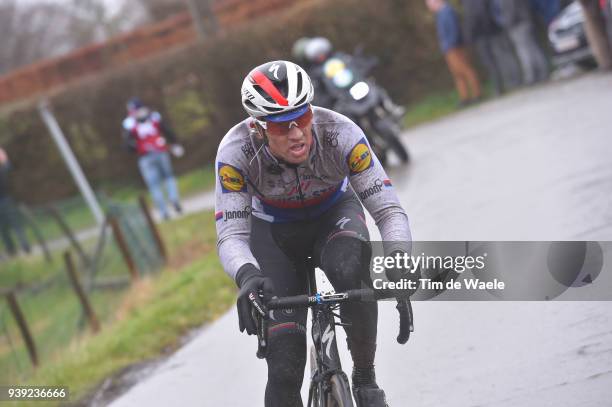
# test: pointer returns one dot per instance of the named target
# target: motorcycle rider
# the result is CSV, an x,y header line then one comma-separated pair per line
x,y
316,52
287,178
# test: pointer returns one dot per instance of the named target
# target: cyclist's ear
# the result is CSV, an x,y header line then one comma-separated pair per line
x,y
260,132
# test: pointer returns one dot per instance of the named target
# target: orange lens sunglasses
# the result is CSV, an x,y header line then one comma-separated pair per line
x,y
284,127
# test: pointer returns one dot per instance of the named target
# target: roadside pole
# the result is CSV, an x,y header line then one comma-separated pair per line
x,y
71,161
203,16
197,19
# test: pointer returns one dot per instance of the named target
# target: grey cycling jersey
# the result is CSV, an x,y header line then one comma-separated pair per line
x,y
252,182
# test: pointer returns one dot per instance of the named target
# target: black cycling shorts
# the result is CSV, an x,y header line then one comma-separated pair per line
x,y
281,249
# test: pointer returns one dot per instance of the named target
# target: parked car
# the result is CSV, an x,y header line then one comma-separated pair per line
x,y
567,37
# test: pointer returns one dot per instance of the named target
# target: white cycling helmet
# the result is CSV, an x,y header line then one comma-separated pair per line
x,y
317,49
275,88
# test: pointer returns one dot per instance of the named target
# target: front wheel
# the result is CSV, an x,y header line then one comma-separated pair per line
x,y
340,391
389,132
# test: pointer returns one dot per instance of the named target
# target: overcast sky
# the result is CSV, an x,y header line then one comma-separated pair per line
x,y
112,5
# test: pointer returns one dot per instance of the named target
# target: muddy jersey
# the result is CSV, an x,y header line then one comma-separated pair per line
x,y
252,182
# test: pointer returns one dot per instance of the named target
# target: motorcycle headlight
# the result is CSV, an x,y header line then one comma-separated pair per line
x,y
359,90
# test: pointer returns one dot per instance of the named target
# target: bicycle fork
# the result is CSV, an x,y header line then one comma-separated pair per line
x,y
326,355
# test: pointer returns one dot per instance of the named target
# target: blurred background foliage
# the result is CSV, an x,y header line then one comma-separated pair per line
x,y
197,89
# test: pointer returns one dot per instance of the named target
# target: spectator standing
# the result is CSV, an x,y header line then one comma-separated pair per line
x,y
10,218
492,46
145,133
451,45
517,19
606,6
595,26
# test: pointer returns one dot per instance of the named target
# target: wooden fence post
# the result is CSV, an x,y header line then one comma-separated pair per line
x,y
153,227
68,232
125,251
23,327
78,289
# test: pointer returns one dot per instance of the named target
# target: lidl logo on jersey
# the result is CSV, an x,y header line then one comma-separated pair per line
x,y
360,157
231,178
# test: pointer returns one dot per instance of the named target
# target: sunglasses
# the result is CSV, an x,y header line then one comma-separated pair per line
x,y
283,127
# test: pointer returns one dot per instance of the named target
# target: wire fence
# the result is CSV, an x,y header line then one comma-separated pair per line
x,y
47,305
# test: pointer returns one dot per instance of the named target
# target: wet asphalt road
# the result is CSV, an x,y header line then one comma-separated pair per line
x,y
534,165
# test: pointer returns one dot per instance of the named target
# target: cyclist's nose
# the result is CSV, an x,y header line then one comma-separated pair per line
x,y
295,133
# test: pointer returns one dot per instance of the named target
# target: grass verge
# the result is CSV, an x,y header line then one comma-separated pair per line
x,y
152,316
78,216
437,105
431,107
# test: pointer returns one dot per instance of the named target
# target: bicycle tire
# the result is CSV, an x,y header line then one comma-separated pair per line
x,y
314,398
391,135
340,392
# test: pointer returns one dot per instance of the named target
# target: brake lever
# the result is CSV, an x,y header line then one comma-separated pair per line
x,y
404,307
262,335
262,331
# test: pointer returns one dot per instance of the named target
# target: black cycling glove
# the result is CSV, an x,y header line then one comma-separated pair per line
x,y
396,274
251,282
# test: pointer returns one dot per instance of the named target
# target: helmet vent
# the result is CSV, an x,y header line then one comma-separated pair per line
x,y
263,93
250,104
299,83
302,100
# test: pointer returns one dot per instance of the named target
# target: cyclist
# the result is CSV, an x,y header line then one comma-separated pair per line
x,y
146,133
288,177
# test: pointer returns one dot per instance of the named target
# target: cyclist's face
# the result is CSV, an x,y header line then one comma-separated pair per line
x,y
291,141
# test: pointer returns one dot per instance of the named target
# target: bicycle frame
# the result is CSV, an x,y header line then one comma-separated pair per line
x,y
323,330
325,344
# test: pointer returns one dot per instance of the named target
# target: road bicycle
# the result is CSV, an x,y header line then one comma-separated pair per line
x,y
329,385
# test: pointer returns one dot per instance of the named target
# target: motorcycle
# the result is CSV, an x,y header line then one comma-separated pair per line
x,y
349,91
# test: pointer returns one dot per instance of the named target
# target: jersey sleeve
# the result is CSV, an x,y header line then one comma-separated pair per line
x,y
374,188
232,209
127,133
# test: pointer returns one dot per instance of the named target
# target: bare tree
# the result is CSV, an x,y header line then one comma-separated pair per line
x,y
92,20
161,9
8,10
31,33
35,31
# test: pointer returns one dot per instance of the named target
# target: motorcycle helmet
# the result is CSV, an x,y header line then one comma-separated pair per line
x,y
318,49
276,88
299,49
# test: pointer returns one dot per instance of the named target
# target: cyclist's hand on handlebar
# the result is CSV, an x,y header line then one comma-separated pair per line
x,y
251,281
396,274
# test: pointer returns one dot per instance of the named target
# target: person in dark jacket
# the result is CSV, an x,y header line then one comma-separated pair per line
x,y
518,21
493,47
10,218
451,45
